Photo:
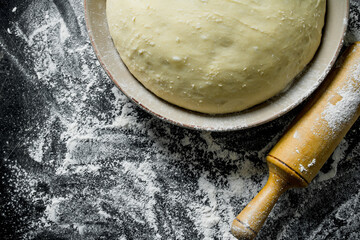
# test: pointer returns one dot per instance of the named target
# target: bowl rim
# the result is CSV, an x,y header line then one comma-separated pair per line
x,y
240,126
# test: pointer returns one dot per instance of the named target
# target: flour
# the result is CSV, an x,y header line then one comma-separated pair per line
x,y
296,135
312,163
52,210
98,166
207,216
302,168
353,34
339,114
338,155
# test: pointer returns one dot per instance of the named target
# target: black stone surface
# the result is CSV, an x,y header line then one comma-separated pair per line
x,y
80,161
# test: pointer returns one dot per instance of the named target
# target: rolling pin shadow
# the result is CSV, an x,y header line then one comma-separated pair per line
x,y
297,158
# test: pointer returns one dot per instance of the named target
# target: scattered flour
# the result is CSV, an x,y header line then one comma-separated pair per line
x,y
107,165
302,168
53,209
342,112
312,163
296,135
339,154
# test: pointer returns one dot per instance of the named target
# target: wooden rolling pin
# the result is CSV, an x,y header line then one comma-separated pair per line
x,y
303,150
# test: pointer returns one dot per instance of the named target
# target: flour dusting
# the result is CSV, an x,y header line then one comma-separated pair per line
x,y
339,114
89,164
338,155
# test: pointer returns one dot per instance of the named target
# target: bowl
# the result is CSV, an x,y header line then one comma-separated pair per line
x,y
301,88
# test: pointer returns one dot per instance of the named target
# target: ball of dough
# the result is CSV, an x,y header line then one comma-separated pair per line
x,y
216,56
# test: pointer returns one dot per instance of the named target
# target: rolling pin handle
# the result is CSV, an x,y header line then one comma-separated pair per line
x,y
249,222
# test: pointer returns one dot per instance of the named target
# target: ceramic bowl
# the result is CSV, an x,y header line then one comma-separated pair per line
x,y
301,88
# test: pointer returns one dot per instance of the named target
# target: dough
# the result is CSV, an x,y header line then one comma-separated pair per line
x,y
216,56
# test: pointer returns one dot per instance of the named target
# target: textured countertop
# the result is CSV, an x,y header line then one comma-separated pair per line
x,y
80,161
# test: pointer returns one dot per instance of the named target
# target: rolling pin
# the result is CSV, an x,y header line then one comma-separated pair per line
x,y
297,158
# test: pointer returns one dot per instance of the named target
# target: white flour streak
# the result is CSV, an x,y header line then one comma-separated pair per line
x,y
338,155
64,32
53,209
296,135
41,30
312,163
342,112
207,217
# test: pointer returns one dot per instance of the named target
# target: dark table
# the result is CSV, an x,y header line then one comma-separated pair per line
x,y
80,161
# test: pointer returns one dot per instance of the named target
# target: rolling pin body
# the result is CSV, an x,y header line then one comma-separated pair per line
x,y
303,150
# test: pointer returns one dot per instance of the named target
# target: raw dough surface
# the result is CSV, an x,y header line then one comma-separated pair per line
x,y
216,56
